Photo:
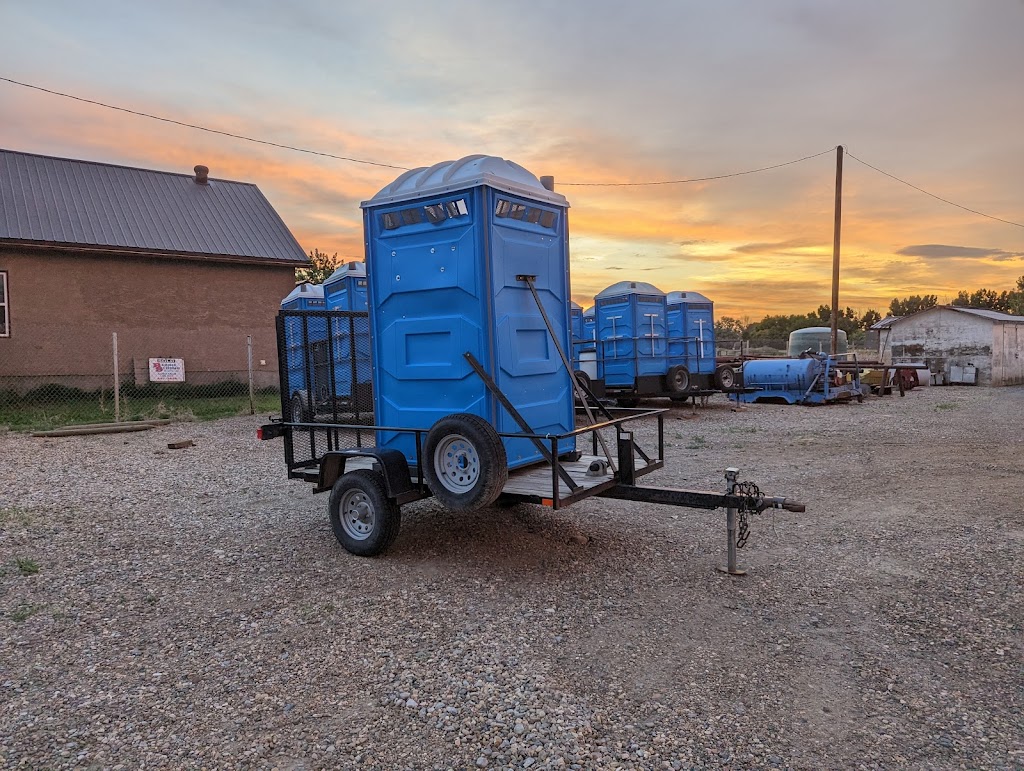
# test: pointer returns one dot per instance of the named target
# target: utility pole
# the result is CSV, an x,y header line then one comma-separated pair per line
x,y
835,250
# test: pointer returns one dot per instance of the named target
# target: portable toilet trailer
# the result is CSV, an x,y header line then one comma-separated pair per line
x,y
345,289
447,251
691,338
304,335
631,323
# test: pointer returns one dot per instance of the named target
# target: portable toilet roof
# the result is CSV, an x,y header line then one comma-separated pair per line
x,y
685,297
347,269
589,313
576,306
466,172
304,291
629,287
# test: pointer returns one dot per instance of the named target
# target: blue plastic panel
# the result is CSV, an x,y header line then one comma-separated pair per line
x,y
691,329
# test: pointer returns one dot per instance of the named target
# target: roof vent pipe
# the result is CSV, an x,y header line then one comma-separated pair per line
x,y
548,183
202,175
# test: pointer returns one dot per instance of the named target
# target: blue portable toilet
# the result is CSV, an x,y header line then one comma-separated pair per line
x,y
589,325
444,248
345,288
691,335
305,297
631,321
576,329
304,334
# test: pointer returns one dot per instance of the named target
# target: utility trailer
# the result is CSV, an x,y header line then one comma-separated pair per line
x,y
461,461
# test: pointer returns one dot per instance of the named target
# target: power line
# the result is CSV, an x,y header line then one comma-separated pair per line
x,y
203,128
380,164
936,197
696,179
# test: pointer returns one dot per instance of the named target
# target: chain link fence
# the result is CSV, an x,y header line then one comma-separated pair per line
x,y
124,389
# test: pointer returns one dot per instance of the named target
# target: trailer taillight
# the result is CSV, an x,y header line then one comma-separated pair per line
x,y
259,434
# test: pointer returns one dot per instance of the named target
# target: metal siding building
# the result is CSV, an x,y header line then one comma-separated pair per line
x,y
179,266
948,336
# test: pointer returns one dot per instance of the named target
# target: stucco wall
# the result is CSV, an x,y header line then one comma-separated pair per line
x,y
944,338
65,306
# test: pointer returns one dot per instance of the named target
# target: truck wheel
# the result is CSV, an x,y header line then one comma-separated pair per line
x,y
725,377
364,519
464,462
678,379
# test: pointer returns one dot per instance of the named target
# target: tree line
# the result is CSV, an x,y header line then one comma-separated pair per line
x,y
775,328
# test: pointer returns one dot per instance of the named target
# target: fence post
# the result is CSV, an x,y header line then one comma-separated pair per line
x,y
117,384
252,398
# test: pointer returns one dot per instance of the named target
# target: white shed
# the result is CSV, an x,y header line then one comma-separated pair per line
x,y
951,340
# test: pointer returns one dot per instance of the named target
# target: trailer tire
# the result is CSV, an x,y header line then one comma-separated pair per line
x,y
725,377
364,519
678,379
464,465
583,379
299,411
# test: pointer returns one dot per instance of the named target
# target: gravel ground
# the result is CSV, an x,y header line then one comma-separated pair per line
x,y
191,608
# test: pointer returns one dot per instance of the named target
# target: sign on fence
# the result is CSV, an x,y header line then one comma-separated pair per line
x,y
166,370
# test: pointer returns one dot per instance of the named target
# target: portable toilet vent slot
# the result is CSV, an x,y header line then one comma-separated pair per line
x,y
444,245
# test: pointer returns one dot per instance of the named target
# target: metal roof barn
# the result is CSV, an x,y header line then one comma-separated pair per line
x,y
446,247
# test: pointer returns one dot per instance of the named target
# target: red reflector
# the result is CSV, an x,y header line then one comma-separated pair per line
x,y
259,433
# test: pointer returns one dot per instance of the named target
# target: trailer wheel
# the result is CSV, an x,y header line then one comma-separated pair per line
x,y
364,519
725,377
583,379
298,411
678,379
465,465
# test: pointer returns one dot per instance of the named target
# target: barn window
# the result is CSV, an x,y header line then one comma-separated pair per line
x,y
5,317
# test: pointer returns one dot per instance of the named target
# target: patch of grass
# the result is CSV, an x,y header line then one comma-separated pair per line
x,y
15,515
25,611
946,406
741,430
27,566
196,403
697,442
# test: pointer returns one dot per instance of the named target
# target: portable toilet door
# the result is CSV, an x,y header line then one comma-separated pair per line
x,y
691,325
305,351
445,247
631,321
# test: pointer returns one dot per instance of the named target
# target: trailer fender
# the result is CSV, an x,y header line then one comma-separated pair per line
x,y
393,467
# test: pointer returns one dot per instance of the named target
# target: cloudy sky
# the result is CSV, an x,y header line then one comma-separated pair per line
x,y
589,91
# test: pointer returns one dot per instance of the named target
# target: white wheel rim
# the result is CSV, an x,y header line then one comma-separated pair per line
x,y
456,463
357,515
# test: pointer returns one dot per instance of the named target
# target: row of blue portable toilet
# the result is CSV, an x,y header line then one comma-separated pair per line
x,y
316,376
636,331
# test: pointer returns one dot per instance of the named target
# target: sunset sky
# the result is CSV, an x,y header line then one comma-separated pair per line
x,y
930,91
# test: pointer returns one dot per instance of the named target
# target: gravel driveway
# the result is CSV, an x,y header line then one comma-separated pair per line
x,y
191,608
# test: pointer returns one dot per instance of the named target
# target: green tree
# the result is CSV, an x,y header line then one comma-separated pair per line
x,y
912,304
320,267
728,328
869,318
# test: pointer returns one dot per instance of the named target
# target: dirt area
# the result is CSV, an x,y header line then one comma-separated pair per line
x,y
191,608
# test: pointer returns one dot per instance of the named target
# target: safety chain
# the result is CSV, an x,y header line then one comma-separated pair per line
x,y
751,496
